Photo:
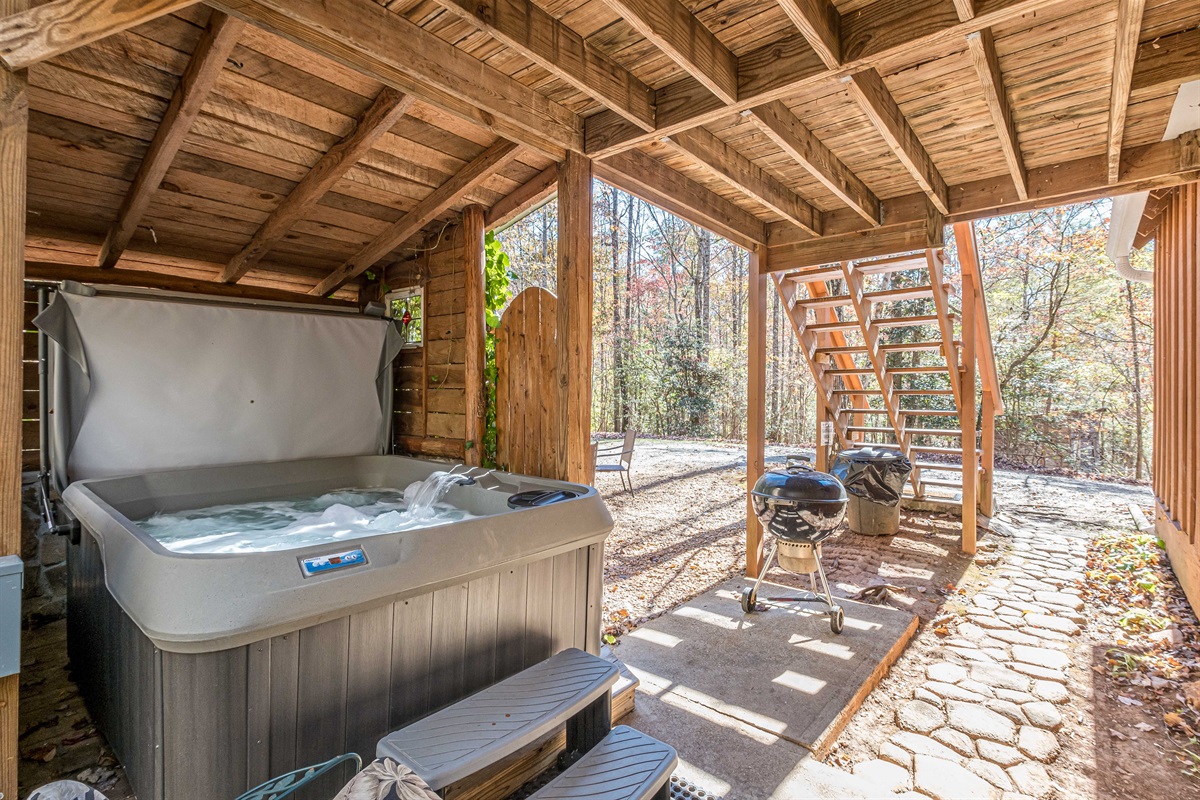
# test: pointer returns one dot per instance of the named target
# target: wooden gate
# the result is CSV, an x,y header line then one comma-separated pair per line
x,y
527,385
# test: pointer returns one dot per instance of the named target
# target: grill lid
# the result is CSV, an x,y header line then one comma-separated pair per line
x,y
799,482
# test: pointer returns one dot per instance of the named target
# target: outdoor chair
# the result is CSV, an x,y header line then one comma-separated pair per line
x,y
623,452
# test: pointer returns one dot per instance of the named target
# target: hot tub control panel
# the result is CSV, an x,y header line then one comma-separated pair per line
x,y
317,565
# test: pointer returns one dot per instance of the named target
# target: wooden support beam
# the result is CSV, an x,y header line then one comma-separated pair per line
x,y
982,47
1129,28
645,177
365,37
526,28
729,165
987,447
966,417
894,32
574,324
868,90
198,80
439,200
528,196
387,109
756,401
818,22
47,271
867,243
14,146
1167,61
1146,167
781,126
672,28
474,256
33,35
965,9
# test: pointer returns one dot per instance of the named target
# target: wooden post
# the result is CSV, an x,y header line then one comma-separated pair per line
x,y
756,401
473,258
822,463
575,318
987,502
966,416
14,124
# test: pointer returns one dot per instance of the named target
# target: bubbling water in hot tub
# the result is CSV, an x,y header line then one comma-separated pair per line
x,y
344,514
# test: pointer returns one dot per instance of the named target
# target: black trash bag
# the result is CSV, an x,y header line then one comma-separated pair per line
x,y
873,473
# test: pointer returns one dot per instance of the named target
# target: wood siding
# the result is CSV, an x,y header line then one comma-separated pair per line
x,y
1177,383
211,725
430,401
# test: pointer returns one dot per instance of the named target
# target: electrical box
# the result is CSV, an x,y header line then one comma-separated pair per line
x,y
12,573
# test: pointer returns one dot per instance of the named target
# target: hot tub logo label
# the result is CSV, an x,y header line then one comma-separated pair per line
x,y
315,565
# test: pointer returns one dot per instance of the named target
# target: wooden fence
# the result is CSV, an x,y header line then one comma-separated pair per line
x,y
526,386
1176,381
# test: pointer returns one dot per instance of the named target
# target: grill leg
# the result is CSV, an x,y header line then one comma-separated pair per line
x,y
766,566
824,584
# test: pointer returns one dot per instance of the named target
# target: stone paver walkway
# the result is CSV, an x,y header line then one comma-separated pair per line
x,y
984,723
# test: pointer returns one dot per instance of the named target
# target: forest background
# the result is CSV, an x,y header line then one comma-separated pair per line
x,y
1073,340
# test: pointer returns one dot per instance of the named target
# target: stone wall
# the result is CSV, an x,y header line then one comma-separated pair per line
x,y
45,557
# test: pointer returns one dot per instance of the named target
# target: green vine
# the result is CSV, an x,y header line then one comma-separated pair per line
x,y
497,280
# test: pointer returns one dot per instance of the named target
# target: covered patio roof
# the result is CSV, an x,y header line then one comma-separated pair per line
x,y
297,144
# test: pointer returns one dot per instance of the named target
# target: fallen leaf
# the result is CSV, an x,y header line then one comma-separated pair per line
x,y
1129,701
1143,726
1116,734
1191,693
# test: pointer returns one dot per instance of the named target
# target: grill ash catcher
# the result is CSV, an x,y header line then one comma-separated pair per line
x,y
799,508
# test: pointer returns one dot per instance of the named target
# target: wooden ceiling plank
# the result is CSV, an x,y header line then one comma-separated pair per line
x,y
387,109
1129,27
780,125
1168,61
365,37
530,31
525,198
868,90
819,22
45,271
780,70
198,80
48,30
670,27
651,180
982,47
468,178
718,158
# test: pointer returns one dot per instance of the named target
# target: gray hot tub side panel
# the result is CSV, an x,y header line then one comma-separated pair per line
x,y
205,602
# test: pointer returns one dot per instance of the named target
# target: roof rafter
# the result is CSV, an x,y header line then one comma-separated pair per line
x,y
982,46
820,23
894,30
465,180
525,198
651,180
872,95
527,29
389,106
1129,28
364,37
794,138
685,40
42,32
198,80
727,164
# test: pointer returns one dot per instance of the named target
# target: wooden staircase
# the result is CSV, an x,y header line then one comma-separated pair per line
x,y
883,341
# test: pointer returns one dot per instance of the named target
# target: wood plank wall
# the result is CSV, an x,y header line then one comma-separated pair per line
x,y
1176,384
430,400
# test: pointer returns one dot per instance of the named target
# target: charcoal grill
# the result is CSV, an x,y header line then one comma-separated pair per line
x,y
799,508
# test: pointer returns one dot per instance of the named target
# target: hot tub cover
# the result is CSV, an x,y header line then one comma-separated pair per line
x,y
141,383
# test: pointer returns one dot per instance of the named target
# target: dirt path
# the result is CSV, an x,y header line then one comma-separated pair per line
x,y
683,533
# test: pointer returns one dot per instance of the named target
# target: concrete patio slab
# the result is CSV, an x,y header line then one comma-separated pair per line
x,y
746,699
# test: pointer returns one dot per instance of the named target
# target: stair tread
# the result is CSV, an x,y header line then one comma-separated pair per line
x,y
904,293
906,322
869,429
892,264
929,412
934,431
823,302
814,275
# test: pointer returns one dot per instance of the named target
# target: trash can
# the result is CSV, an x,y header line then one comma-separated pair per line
x,y
874,478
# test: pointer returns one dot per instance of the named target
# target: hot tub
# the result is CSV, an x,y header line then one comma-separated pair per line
x,y
211,671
